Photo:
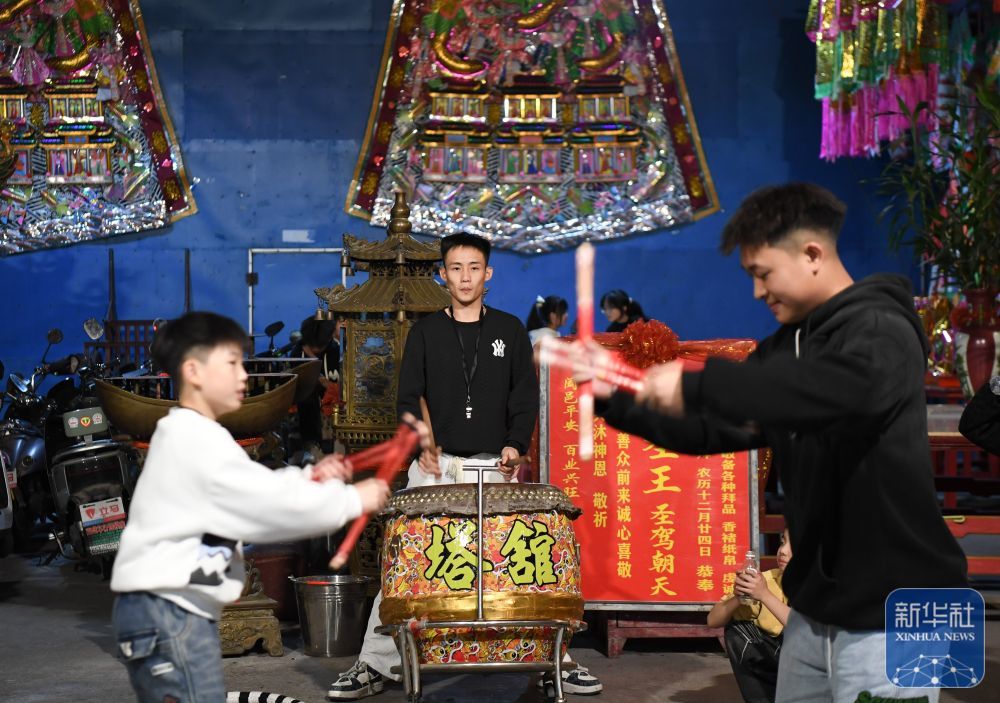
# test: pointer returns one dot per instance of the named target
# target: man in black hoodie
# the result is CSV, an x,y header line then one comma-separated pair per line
x,y
837,393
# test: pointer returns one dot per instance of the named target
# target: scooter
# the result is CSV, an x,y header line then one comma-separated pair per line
x,y
91,475
92,482
22,438
85,486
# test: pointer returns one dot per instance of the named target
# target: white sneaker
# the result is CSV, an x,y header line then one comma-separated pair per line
x,y
579,682
360,681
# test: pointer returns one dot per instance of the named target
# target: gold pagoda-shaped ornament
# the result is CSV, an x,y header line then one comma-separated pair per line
x,y
379,313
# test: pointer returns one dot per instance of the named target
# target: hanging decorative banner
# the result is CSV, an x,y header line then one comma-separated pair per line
x,y
88,144
869,55
535,124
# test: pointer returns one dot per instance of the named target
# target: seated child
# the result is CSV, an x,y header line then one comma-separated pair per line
x,y
753,631
199,497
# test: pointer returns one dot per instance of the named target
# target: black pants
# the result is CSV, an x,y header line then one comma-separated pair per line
x,y
754,656
311,418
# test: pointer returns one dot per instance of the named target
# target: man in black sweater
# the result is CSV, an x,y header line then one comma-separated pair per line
x,y
837,392
474,366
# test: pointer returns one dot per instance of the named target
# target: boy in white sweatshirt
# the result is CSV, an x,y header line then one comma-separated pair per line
x,y
198,499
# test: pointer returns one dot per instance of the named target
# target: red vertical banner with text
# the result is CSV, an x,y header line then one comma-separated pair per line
x,y
657,526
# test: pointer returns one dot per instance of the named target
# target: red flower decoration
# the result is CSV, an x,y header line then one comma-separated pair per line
x,y
646,343
643,344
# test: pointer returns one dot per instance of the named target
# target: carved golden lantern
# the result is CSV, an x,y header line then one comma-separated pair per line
x,y
379,312
8,157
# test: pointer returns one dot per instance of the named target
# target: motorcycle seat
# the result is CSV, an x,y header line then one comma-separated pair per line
x,y
79,450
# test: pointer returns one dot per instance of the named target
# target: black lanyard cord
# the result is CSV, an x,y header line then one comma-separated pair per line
x,y
469,374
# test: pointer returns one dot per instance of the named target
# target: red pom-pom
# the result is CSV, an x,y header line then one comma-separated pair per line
x,y
644,344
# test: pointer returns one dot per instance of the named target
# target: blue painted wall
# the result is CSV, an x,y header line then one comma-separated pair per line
x,y
270,102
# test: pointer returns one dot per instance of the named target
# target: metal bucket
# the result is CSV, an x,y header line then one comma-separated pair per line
x,y
332,613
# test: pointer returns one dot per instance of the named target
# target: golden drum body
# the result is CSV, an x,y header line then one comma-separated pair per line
x,y
531,568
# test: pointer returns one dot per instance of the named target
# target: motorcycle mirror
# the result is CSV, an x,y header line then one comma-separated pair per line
x,y
19,382
273,328
159,324
63,367
93,328
54,336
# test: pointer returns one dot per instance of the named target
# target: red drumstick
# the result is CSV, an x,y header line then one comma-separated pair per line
x,y
353,534
585,332
393,454
612,370
368,458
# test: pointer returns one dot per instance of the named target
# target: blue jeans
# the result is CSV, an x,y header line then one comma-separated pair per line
x,y
826,663
169,652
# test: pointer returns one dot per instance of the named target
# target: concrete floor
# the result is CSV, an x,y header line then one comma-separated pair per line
x,y
56,646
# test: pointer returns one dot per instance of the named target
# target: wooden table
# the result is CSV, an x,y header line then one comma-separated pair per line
x,y
959,465
943,389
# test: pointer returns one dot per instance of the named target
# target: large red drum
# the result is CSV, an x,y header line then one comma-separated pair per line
x,y
531,568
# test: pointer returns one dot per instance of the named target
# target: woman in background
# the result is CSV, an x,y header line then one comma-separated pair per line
x,y
620,310
547,315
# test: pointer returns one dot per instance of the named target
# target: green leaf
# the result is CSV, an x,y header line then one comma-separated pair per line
x,y
942,196
435,22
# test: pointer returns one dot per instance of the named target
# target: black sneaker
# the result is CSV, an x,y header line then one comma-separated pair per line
x,y
360,681
579,682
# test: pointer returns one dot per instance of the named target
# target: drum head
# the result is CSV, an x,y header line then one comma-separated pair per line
x,y
498,499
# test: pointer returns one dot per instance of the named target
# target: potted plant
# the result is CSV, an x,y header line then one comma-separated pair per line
x,y
943,191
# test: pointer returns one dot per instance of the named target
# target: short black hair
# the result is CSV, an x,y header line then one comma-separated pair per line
x,y
769,214
192,334
620,300
317,333
464,239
